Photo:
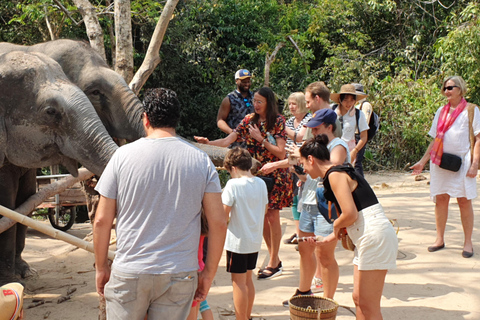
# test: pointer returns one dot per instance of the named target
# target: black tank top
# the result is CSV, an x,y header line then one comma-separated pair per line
x,y
363,195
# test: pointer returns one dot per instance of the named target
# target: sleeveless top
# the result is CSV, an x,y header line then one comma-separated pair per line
x,y
363,195
239,107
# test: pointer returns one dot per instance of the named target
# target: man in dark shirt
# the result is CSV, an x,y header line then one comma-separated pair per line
x,y
237,104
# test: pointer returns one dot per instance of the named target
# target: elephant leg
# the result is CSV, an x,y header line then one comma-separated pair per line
x,y
8,190
26,188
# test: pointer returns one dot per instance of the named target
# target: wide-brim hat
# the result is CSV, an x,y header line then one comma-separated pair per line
x,y
347,89
11,301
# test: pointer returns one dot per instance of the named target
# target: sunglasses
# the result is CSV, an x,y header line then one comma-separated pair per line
x,y
246,102
449,88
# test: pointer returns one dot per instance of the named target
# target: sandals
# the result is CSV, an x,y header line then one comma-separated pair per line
x,y
291,240
270,272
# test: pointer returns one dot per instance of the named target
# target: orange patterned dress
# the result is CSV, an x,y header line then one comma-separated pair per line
x,y
281,196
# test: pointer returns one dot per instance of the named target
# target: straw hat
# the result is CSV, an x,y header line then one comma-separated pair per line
x,y
347,89
11,301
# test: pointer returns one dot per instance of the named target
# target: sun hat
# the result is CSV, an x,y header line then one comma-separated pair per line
x,y
11,301
359,88
327,116
347,89
242,74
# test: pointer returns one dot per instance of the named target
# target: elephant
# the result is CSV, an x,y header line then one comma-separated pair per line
x,y
45,120
117,106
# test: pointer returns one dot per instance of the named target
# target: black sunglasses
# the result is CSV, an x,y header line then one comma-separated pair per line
x,y
449,88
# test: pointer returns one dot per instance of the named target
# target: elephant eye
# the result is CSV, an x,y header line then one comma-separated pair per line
x,y
50,111
96,92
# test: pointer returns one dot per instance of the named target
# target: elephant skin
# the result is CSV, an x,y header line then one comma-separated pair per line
x,y
44,120
117,106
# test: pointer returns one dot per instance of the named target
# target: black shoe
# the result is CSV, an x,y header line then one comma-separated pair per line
x,y
467,254
436,248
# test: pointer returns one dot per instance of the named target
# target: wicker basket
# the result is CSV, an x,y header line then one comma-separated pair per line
x,y
312,307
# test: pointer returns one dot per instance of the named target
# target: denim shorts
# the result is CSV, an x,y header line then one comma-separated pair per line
x,y
312,221
163,296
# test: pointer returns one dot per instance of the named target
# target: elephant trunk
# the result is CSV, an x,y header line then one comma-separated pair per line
x,y
134,109
87,140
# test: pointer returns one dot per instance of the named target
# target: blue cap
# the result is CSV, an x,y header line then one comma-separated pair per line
x,y
242,74
327,116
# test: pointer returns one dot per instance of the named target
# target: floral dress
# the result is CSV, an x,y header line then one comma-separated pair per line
x,y
281,194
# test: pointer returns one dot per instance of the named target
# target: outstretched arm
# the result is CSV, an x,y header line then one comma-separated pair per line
x,y
418,167
225,142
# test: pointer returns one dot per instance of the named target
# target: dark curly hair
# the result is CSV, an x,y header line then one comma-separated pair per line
x,y
162,108
316,147
238,157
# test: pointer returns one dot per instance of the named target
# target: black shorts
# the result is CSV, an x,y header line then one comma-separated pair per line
x,y
241,262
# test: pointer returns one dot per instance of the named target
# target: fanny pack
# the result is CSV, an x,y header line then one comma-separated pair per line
x,y
450,162
269,181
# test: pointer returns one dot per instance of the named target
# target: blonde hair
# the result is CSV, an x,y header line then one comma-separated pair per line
x,y
299,98
459,82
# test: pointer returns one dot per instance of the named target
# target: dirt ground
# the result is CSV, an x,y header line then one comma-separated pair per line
x,y
440,285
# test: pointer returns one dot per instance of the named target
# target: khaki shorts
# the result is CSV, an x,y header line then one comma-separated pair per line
x,y
163,296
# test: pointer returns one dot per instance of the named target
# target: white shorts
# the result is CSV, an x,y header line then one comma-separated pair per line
x,y
375,241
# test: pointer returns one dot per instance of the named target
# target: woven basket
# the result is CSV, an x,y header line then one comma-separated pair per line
x,y
347,243
312,307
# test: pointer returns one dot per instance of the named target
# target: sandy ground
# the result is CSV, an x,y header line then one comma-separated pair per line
x,y
440,285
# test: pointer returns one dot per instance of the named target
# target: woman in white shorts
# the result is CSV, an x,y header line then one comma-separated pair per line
x,y
365,221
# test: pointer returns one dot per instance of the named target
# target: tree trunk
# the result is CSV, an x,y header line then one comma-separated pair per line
x,y
94,30
152,58
268,61
35,200
123,40
112,37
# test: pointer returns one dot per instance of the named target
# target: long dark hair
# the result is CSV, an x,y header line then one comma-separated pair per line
x,y
316,147
272,108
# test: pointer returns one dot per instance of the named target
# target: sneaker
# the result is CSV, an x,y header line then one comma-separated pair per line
x,y
270,272
297,293
317,284
291,240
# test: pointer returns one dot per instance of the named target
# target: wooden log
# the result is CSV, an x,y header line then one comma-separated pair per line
x,y
35,200
50,231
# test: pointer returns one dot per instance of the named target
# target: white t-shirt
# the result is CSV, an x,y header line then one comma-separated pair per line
x,y
349,123
248,198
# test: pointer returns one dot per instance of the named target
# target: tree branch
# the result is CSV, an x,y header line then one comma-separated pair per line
x,y
268,61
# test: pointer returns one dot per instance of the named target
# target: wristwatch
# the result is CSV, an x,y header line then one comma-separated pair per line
x,y
263,142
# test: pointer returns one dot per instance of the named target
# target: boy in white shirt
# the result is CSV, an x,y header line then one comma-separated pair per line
x,y
245,198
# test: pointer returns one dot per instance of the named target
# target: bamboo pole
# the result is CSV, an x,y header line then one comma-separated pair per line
x,y
50,231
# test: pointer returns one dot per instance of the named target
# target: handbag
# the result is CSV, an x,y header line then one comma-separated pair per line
x,y
326,208
269,181
450,162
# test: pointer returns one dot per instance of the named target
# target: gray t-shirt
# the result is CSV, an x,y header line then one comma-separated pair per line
x,y
158,185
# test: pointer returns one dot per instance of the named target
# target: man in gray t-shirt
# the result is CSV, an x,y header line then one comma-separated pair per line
x,y
156,188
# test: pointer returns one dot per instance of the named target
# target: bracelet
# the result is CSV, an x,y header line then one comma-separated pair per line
x,y
263,142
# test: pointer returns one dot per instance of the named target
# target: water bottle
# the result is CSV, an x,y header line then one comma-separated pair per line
x,y
271,139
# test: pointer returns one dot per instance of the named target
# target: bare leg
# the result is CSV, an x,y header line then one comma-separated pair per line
x,y
251,293
193,312
307,262
330,271
273,218
240,295
318,270
441,216
367,293
466,213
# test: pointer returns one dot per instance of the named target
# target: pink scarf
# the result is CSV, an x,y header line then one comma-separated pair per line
x,y
443,125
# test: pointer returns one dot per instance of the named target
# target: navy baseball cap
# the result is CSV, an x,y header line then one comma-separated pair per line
x,y
327,116
242,74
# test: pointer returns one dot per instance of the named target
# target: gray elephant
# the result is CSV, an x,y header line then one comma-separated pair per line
x,y
44,120
117,106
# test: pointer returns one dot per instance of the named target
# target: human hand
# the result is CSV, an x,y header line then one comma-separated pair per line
x,y
472,171
201,140
101,278
203,287
417,168
293,151
328,239
255,132
268,168
353,155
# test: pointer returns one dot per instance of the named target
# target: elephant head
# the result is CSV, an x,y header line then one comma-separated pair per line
x,y
45,119
117,106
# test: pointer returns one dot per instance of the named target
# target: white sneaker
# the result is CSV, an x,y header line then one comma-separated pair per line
x,y
317,285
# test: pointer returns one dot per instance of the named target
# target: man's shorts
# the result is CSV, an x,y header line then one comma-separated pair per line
x,y
241,262
312,221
